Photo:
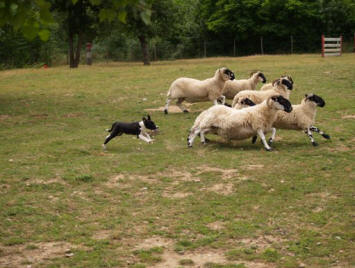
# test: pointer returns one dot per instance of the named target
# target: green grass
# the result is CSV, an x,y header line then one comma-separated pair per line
x,y
57,185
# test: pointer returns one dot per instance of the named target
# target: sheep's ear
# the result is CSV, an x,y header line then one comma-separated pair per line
x,y
306,95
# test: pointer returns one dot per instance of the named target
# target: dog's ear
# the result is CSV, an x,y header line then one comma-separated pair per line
x,y
144,119
148,117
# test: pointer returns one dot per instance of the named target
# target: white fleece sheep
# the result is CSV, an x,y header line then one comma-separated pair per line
x,y
282,87
193,90
231,88
302,117
244,103
271,85
239,124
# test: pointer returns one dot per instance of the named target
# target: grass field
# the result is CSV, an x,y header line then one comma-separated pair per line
x,y
66,203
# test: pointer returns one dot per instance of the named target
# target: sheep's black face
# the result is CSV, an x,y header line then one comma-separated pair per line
x,y
247,101
230,74
262,76
290,79
149,124
316,99
287,83
283,102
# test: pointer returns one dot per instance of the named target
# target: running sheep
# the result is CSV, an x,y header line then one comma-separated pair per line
x,y
234,124
271,85
302,117
193,90
231,88
281,87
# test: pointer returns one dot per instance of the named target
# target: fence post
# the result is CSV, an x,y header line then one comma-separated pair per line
x,y
204,49
88,54
234,52
341,44
354,42
261,45
291,44
323,45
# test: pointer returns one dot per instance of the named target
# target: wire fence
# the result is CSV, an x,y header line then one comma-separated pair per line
x,y
197,48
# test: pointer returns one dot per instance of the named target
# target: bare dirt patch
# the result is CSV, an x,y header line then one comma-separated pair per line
x,y
176,195
253,167
221,188
217,225
4,117
103,234
45,181
172,109
154,241
225,173
15,256
261,243
122,180
349,116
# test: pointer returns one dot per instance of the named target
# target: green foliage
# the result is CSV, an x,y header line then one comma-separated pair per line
x,y
32,17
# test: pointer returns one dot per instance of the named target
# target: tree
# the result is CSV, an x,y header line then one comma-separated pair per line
x,y
161,23
82,16
31,17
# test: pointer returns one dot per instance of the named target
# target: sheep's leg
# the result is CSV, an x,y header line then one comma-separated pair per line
x,y
273,134
324,135
262,137
253,139
221,100
202,136
309,134
206,139
182,107
168,100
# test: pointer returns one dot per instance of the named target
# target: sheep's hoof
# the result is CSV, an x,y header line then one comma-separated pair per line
x,y
314,143
253,140
189,145
268,149
326,136
271,140
165,111
186,111
207,140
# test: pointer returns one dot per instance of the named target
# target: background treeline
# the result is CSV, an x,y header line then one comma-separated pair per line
x,y
180,29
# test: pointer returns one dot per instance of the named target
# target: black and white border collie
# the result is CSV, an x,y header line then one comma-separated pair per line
x,y
134,128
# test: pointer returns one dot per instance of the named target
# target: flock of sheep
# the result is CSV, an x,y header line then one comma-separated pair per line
x,y
253,112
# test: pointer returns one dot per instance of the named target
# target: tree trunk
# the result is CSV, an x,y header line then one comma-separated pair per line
x,y
71,50
78,49
145,51
74,56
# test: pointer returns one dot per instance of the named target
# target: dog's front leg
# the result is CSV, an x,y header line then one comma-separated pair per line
x,y
144,138
147,135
